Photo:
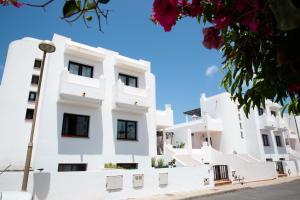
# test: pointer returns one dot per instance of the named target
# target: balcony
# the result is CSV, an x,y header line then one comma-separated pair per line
x,y
267,122
131,98
80,89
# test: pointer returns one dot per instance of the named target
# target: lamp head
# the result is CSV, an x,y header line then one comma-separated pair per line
x,y
47,46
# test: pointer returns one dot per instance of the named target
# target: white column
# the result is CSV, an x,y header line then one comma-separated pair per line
x,y
189,140
274,144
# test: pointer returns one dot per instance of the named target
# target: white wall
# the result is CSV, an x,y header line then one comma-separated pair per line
x,y
50,148
91,185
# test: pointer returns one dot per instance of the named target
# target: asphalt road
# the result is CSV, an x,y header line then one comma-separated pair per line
x,y
285,191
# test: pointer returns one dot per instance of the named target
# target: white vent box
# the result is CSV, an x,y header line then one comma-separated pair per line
x,y
138,180
163,179
114,182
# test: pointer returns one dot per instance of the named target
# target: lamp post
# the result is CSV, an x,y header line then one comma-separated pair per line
x,y
47,47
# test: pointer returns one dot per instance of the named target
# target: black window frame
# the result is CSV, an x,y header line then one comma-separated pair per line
x,y
261,111
72,165
265,139
127,77
274,113
35,79
126,132
37,66
80,66
278,140
269,160
29,96
64,131
29,113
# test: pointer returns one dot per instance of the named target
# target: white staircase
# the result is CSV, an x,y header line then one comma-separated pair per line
x,y
186,160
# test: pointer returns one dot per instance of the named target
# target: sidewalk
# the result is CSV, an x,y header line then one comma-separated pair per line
x,y
219,189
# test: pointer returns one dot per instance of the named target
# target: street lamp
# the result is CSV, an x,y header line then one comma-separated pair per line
x,y
47,47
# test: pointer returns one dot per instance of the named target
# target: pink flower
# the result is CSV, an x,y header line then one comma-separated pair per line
x,y
16,3
166,12
221,22
212,38
250,21
196,8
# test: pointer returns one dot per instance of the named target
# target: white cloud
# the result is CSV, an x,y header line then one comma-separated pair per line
x,y
211,71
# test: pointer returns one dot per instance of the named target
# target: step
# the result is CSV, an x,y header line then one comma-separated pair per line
x,y
282,175
222,182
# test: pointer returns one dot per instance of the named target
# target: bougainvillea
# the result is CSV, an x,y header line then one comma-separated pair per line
x,y
260,41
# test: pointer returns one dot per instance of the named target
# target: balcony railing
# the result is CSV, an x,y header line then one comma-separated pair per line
x,y
74,88
132,98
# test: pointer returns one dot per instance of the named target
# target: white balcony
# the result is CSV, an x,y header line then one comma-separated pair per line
x,y
267,122
82,90
131,98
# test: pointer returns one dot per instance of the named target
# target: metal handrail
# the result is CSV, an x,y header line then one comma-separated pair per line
x,y
5,169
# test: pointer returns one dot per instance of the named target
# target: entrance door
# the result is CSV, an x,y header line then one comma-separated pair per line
x,y
220,172
160,142
279,167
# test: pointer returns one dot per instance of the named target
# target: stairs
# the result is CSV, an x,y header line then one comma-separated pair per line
x,y
222,182
186,160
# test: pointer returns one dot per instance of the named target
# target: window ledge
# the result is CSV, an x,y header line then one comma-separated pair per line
x,y
71,136
127,140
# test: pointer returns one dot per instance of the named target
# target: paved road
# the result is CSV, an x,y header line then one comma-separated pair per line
x,y
285,191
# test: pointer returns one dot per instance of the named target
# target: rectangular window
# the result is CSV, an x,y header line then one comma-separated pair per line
x,y
240,117
32,96
71,167
80,69
35,79
260,111
75,125
29,113
129,80
265,140
273,113
242,135
269,160
37,63
127,165
127,130
278,141
241,126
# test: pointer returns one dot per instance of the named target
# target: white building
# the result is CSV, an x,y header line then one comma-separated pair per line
x,y
219,133
95,107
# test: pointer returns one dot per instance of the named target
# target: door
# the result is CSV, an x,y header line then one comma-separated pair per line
x,y
279,167
220,172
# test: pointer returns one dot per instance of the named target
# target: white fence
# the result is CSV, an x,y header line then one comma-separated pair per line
x,y
123,183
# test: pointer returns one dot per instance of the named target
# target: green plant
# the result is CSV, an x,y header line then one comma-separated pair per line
x,y
160,163
111,166
181,145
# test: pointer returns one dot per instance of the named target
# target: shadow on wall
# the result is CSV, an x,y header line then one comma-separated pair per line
x,y
126,147
91,145
41,185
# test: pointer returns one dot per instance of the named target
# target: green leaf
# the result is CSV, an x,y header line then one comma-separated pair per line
x,y
70,8
89,18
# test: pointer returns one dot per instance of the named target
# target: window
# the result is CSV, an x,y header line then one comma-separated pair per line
x,y
29,113
260,111
281,159
80,69
71,167
273,113
239,116
241,127
265,140
35,79
129,80
75,125
37,63
242,135
32,96
127,130
278,141
127,165
269,160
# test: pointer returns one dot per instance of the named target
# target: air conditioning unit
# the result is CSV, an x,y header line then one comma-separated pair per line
x,y
138,180
206,181
163,179
114,182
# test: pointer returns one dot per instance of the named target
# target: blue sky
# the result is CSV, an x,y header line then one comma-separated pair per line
x,y
179,60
